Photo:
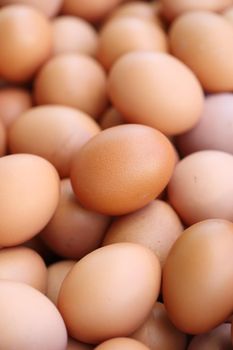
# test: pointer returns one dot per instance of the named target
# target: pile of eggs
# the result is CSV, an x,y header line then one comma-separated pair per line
x,y
116,174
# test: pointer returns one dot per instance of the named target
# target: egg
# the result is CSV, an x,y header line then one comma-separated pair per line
x,y
91,10
203,41
114,174
3,140
218,338
72,80
197,277
156,226
143,87
73,34
215,128
53,132
121,344
110,118
75,345
228,14
105,286
56,275
201,187
159,333
30,190
127,34
13,102
29,320
73,231
25,42
49,8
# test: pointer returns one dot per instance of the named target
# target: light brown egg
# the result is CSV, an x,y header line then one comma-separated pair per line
x,y
197,277
159,333
127,34
218,339
13,102
105,286
121,344
29,189
74,231
3,139
115,174
215,128
73,34
156,226
143,87
111,118
201,187
53,132
25,42
73,80
29,320
172,9
49,8
91,10
75,345
203,41
56,275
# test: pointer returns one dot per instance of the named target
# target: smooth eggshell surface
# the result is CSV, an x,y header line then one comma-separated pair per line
x,y
121,344
49,8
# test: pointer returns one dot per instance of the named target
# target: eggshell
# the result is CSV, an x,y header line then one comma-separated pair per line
x,y
173,9
29,320
74,231
53,132
73,34
91,10
13,102
3,140
75,345
73,80
115,174
198,277
203,41
25,42
121,344
218,338
100,291
159,333
228,14
49,8
21,264
215,128
143,87
111,118
156,226
127,34
29,192
201,187
56,275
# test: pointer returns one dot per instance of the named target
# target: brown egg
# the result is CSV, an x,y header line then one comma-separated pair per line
x,y
49,8
143,87
110,118
105,286
217,339
74,231
25,42
3,139
155,226
72,80
29,320
29,189
215,128
198,277
202,188
203,41
91,10
53,132
127,34
172,9
56,275
159,333
115,174
75,345
21,264
13,102
121,344
73,34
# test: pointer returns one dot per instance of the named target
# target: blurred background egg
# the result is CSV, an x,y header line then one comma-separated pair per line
x,y
49,8
110,118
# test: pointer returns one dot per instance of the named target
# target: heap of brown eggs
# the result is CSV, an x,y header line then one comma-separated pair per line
x,y
116,174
